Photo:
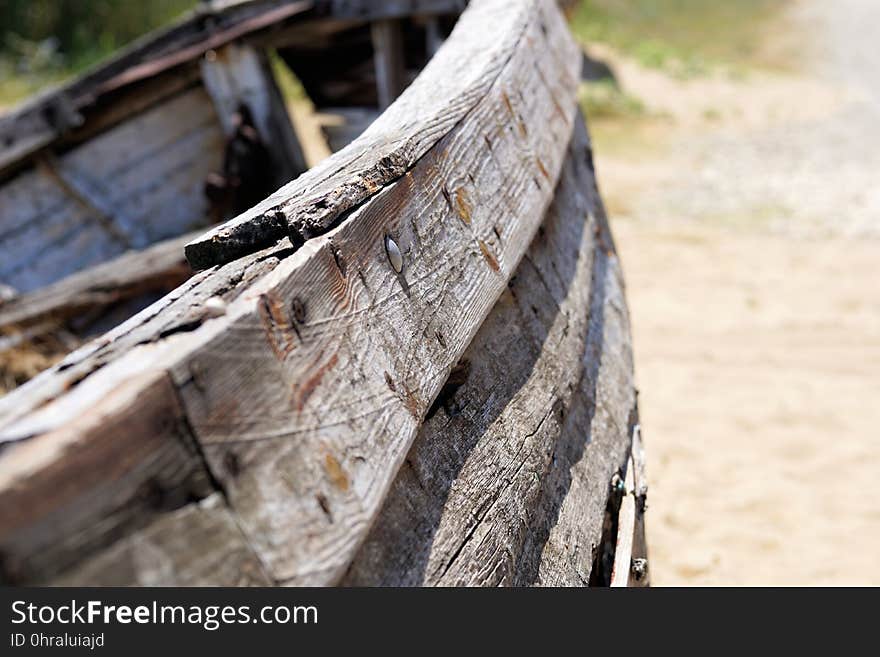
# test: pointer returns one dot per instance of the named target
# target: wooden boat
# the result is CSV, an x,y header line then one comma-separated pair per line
x,y
411,365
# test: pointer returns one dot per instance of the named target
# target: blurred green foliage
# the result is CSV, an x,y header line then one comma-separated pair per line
x,y
604,99
683,37
44,41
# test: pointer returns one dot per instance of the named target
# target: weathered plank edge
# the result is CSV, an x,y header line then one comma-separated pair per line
x,y
450,86
42,120
522,437
132,273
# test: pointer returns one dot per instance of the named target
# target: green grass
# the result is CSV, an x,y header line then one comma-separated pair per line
x,y
43,42
605,100
682,37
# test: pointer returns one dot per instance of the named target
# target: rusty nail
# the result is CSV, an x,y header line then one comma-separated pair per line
x,y
639,568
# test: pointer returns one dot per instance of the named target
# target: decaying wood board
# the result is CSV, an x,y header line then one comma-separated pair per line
x,y
534,414
59,114
146,175
180,311
300,397
626,527
640,573
258,418
48,117
240,74
70,491
161,267
312,464
198,545
453,83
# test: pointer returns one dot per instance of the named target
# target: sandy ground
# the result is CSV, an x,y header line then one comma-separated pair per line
x,y
748,220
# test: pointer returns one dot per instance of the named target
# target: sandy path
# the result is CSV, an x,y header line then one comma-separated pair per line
x,y
751,243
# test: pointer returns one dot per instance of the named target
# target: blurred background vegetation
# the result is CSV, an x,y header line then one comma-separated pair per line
x,y
684,37
45,41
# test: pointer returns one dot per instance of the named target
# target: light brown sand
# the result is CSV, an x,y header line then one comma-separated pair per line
x,y
751,251
758,360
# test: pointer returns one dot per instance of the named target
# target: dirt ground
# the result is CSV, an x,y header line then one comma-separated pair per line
x,y
747,214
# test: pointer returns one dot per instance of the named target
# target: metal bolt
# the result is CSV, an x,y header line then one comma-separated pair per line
x,y
394,255
215,307
639,568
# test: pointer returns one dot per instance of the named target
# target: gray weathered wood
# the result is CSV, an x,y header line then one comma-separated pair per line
x,y
76,489
448,89
640,575
300,397
157,268
388,60
332,317
144,178
178,312
53,116
626,527
239,74
199,545
523,425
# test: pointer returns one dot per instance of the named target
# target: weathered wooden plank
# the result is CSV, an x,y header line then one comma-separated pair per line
x,y
44,400
388,59
305,396
161,267
640,575
570,542
238,74
199,545
124,458
449,88
84,193
513,436
626,527
48,117
148,174
300,396
315,454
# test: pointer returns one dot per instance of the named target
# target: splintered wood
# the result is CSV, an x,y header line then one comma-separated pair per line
x,y
394,395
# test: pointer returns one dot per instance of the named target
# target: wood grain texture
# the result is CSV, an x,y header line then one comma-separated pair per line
x,y
291,412
240,74
453,83
199,545
525,427
123,460
161,267
316,452
43,401
144,177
